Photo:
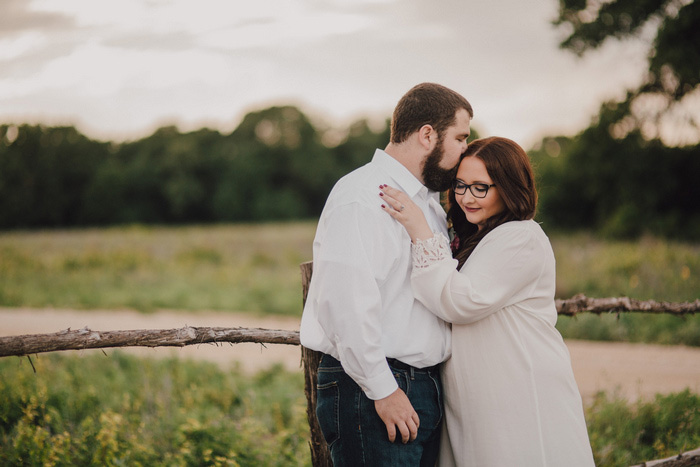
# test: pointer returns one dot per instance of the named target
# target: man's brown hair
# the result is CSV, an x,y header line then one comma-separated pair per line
x,y
426,104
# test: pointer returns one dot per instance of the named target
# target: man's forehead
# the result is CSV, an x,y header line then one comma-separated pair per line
x,y
462,121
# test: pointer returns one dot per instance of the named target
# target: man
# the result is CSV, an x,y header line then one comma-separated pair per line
x,y
379,372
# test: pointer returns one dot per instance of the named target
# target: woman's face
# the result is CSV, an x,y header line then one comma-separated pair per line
x,y
472,170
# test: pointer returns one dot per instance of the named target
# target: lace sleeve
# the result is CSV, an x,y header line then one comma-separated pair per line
x,y
432,250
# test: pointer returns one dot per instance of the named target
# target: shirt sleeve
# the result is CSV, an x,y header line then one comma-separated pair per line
x,y
501,271
348,270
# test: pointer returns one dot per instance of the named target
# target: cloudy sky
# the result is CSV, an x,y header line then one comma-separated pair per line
x,y
118,70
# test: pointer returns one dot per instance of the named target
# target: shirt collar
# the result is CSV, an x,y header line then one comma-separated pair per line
x,y
402,176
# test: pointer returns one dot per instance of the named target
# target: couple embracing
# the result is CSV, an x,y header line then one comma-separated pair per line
x,y
436,350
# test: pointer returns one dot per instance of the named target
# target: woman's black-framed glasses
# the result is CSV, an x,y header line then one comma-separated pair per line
x,y
479,190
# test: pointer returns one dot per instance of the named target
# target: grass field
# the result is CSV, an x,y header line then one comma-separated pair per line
x,y
121,410
255,268
648,269
243,268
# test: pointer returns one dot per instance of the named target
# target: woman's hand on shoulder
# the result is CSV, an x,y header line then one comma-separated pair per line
x,y
399,206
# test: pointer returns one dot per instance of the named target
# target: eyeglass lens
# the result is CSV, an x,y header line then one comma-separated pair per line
x,y
479,190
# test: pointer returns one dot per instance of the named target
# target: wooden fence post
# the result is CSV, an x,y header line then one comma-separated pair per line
x,y
320,456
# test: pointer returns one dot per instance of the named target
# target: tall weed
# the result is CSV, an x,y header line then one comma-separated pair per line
x,y
120,410
624,434
123,410
648,269
251,268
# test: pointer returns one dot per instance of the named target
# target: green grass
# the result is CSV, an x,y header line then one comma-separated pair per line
x,y
230,268
624,434
648,269
255,268
122,410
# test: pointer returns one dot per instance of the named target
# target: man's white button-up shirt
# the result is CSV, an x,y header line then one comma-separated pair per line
x,y
360,308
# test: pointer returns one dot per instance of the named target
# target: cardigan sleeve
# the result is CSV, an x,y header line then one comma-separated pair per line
x,y
502,270
429,251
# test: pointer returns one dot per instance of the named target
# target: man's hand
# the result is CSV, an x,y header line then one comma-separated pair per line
x,y
395,411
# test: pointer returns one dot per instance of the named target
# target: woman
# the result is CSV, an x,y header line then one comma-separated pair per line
x,y
510,393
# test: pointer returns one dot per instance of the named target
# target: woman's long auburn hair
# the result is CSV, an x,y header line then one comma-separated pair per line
x,y
509,167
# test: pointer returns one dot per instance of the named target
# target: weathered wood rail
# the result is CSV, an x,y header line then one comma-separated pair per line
x,y
684,459
85,338
580,303
81,339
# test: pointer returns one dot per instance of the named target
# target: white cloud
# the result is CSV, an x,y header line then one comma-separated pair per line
x,y
119,68
12,48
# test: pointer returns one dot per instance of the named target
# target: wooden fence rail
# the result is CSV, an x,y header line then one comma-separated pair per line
x,y
81,339
579,303
85,338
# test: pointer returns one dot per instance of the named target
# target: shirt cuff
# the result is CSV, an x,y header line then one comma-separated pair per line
x,y
380,386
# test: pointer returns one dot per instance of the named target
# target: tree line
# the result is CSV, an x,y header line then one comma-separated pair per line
x,y
273,166
276,165
622,187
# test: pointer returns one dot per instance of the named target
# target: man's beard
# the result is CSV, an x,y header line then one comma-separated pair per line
x,y
435,177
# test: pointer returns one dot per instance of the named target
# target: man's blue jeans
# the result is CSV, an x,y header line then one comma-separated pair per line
x,y
355,434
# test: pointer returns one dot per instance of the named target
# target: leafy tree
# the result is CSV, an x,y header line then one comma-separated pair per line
x,y
190,167
622,187
275,164
359,145
619,176
674,57
166,177
43,173
281,169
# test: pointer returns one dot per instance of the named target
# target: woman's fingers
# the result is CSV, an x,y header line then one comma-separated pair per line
x,y
394,197
393,192
390,199
399,206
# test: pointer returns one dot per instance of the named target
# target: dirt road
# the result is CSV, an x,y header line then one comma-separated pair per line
x,y
633,370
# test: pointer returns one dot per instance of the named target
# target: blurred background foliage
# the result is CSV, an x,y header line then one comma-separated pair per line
x,y
273,166
634,170
276,166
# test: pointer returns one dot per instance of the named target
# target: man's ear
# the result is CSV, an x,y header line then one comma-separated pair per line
x,y
427,137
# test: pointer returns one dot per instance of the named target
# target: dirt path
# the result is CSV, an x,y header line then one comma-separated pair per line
x,y
633,370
